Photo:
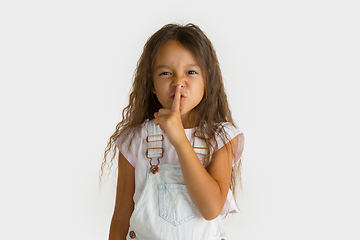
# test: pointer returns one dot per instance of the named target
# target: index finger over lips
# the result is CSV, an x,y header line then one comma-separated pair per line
x,y
177,99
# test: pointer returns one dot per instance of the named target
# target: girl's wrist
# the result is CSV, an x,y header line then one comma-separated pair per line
x,y
182,143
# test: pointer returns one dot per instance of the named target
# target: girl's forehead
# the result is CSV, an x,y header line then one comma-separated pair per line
x,y
173,52
172,46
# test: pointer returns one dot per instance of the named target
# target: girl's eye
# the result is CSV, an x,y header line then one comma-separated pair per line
x,y
191,72
164,73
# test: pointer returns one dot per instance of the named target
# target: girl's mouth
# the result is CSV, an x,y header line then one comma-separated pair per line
x,y
182,97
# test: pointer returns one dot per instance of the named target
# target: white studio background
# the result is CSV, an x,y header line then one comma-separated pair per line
x,y
291,71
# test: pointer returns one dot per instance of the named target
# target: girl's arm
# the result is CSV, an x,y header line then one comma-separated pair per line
x,y
124,204
207,189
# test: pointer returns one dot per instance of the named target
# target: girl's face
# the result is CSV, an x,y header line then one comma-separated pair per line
x,y
175,65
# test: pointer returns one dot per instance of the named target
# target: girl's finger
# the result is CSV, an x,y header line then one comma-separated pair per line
x,y
177,99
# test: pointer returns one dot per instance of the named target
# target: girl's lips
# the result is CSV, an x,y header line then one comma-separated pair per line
x,y
181,98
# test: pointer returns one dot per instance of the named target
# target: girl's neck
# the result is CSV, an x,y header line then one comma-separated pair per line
x,y
188,121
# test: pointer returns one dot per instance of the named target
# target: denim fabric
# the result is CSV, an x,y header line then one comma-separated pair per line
x,y
176,205
165,210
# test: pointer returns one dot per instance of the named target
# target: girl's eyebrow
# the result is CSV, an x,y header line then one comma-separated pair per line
x,y
189,65
161,66
193,65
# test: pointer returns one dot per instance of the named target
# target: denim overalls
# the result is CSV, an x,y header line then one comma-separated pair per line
x,y
165,209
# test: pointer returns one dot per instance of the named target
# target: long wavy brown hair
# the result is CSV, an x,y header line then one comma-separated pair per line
x,y
207,115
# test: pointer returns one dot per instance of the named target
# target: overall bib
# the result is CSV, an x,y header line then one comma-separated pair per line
x,y
165,210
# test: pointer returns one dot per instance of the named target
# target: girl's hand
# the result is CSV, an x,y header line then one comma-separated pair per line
x,y
170,120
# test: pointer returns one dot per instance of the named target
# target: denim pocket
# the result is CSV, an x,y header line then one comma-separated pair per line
x,y
176,205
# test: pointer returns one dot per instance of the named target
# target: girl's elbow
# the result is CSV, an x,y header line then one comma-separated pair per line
x,y
211,214
210,217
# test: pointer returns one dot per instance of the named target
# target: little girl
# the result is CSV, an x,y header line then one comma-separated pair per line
x,y
179,151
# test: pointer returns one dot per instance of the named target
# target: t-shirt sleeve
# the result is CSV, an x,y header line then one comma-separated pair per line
x,y
232,132
129,143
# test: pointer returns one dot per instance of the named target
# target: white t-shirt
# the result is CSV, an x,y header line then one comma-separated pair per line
x,y
136,156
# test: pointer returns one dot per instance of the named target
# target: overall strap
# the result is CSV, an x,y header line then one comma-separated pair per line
x,y
155,138
200,145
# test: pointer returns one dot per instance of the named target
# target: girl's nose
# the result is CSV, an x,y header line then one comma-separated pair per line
x,y
181,85
178,81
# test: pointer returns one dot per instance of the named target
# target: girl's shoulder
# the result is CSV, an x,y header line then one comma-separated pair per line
x,y
226,134
132,133
131,140
229,128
